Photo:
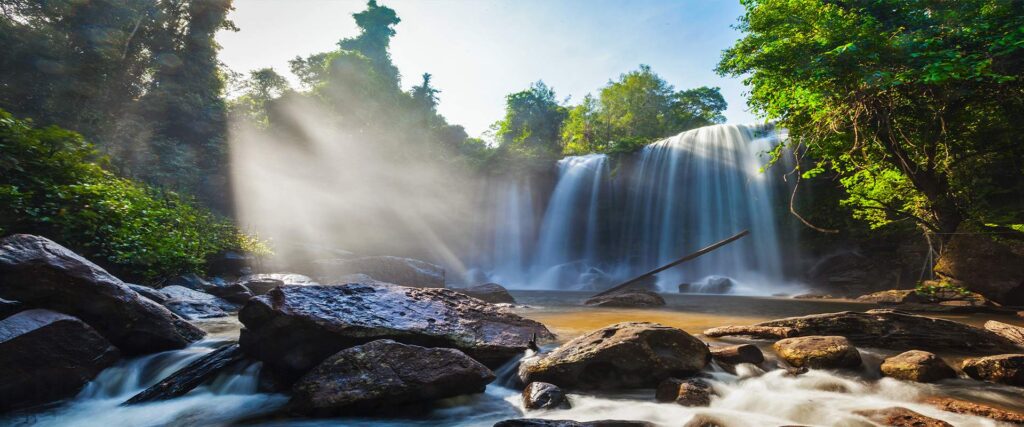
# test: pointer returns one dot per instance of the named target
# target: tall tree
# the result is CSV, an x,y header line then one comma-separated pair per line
x,y
376,25
533,121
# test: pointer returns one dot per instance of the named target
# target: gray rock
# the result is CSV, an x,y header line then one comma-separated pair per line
x,y
193,305
541,395
490,292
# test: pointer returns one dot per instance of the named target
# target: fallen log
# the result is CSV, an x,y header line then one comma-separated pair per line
x,y
689,257
189,377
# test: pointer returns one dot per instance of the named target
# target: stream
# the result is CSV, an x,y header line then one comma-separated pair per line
x,y
751,397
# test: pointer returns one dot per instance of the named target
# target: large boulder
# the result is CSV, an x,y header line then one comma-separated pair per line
x,y
541,395
390,269
818,352
624,355
627,298
490,292
47,356
991,266
293,327
385,374
194,305
41,273
880,329
1011,332
917,365
1003,369
686,392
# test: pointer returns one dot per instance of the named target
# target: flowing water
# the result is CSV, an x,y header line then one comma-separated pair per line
x,y
750,397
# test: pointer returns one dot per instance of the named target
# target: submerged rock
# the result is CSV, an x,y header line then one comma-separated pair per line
x,y
818,352
538,422
541,395
293,328
490,292
627,298
1003,369
901,417
736,354
624,355
687,392
1011,332
917,365
390,269
385,374
880,329
958,406
41,273
47,356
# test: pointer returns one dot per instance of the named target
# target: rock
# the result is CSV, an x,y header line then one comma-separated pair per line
x,y
47,356
230,263
537,422
1013,333
293,327
880,329
41,273
627,298
235,293
10,308
736,354
993,267
260,284
384,374
400,271
490,292
893,296
191,281
705,420
711,285
541,395
818,352
193,305
191,376
917,365
901,417
964,407
813,296
688,392
1003,369
153,294
624,355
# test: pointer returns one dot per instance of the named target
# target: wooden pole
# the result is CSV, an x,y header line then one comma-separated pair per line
x,y
703,251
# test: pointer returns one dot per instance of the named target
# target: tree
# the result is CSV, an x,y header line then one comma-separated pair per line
x,y
424,94
262,86
917,105
376,30
533,121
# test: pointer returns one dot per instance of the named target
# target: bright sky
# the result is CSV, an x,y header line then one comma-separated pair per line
x,y
478,51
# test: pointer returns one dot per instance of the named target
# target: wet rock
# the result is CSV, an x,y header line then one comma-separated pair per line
x,y
41,273
712,285
260,284
235,293
917,365
10,308
880,329
385,374
818,352
1011,332
153,294
541,395
736,354
230,263
390,269
902,417
624,355
627,298
970,408
47,356
194,305
705,420
490,292
191,376
686,392
993,267
892,296
537,422
813,296
293,327
190,281
1003,369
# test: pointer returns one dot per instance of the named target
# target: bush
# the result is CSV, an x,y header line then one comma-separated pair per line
x,y
52,184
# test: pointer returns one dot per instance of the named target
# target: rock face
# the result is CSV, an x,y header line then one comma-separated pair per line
x,y
892,296
41,273
293,328
688,392
490,292
627,298
537,422
194,305
385,374
736,354
1013,333
1003,369
400,271
916,365
964,407
991,267
624,355
902,417
541,395
818,352
47,356
880,329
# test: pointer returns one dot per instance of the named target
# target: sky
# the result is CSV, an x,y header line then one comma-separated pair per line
x,y
479,51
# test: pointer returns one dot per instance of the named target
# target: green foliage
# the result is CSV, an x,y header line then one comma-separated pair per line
x,y
917,105
50,185
533,119
942,289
